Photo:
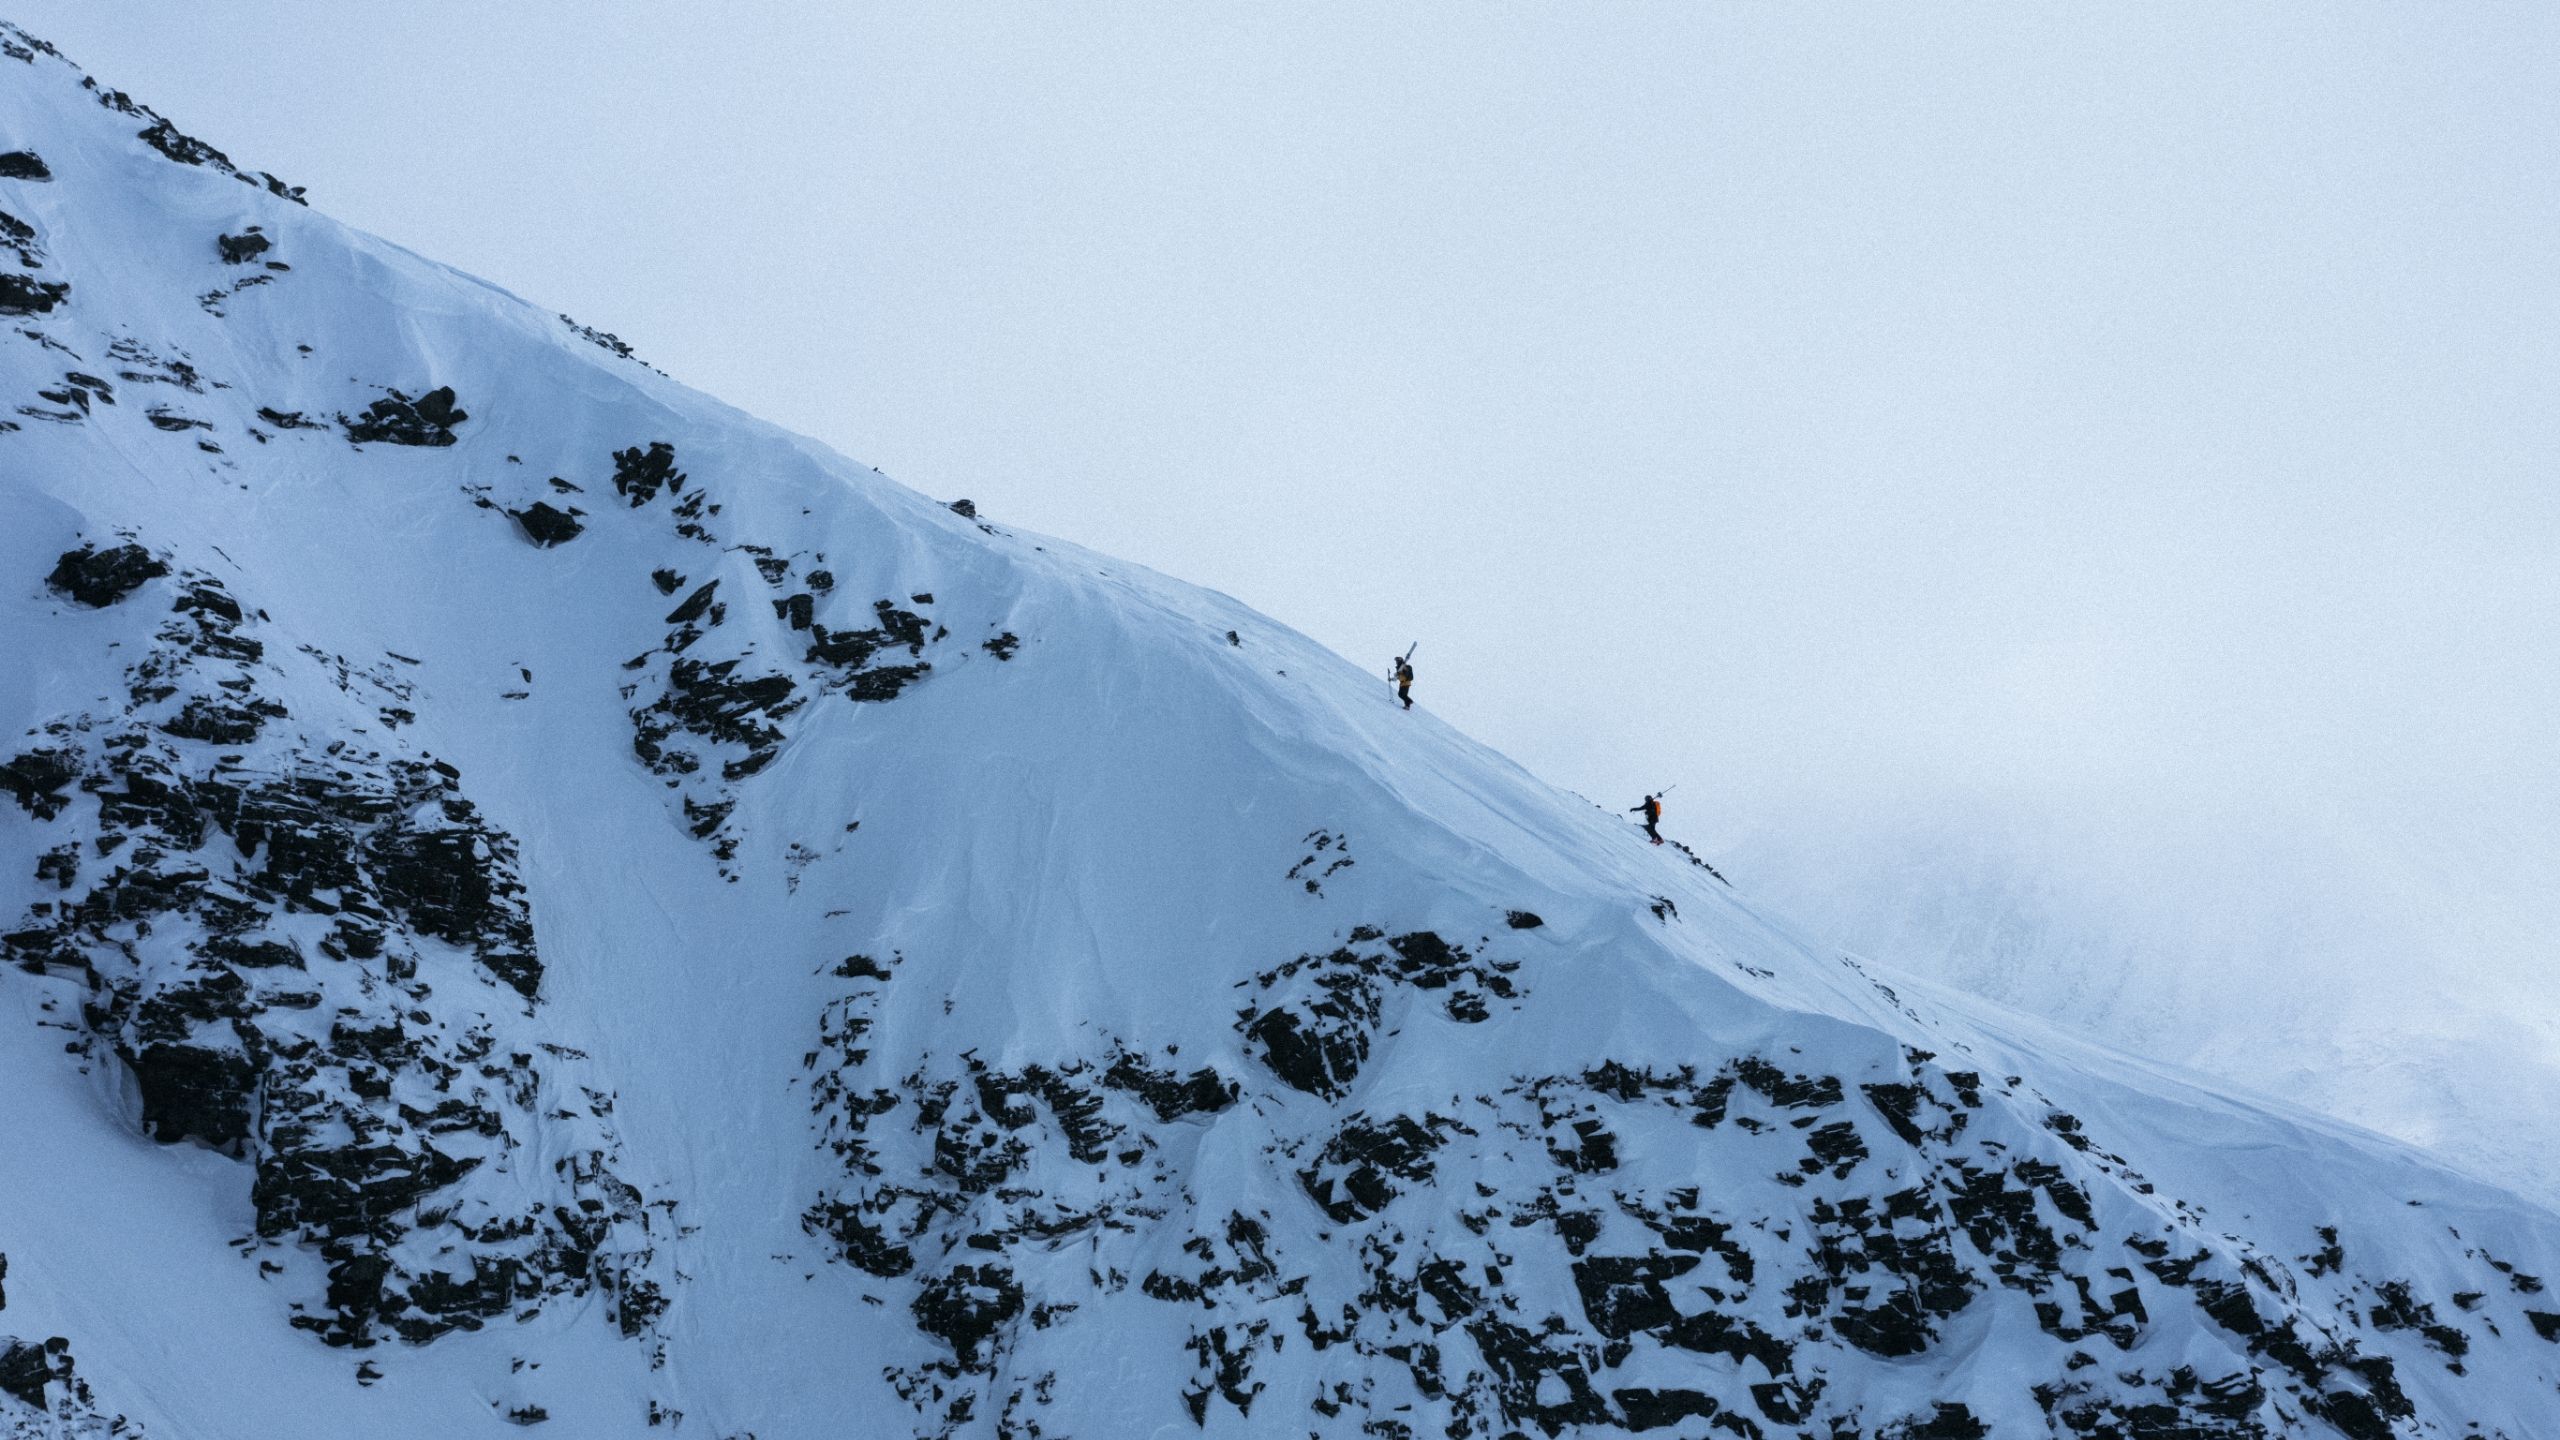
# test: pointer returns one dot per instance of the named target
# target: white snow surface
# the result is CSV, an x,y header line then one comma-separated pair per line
x,y
1093,849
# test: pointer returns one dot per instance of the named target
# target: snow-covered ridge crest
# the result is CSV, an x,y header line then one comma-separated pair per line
x,y
534,899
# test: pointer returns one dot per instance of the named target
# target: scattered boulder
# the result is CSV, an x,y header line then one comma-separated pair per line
x,y
242,248
19,236
36,778
26,295
26,1367
546,526
396,419
638,475
99,578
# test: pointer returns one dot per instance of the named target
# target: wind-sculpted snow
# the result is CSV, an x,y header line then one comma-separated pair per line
x,y
538,901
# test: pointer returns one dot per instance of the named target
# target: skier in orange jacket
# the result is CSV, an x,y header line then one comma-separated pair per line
x,y
1651,810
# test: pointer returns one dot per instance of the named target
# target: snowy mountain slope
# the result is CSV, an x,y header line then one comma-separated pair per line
x,y
2394,975
538,900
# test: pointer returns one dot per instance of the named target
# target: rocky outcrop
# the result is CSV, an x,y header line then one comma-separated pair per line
x,y
719,702
171,142
316,956
1316,1016
546,526
44,1397
27,295
1760,1230
99,578
395,419
244,247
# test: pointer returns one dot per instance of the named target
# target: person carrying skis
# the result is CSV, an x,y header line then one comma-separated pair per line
x,y
1651,810
1404,679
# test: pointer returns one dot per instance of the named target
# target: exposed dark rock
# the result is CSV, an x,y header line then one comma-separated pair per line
x,y
221,721
1953,1421
242,248
453,877
608,342
964,1307
176,144
1623,1294
26,295
1523,919
395,419
35,780
546,527
1318,1045
694,605
23,165
1318,1036
713,702
76,394
1003,646
231,1046
1654,1409
2401,1310
1528,1366
638,475
100,578
191,1092
1169,1094
1354,1174
19,236
1787,1091
965,509
27,1367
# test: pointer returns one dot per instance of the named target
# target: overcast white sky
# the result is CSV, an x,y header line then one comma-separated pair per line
x,y
2128,428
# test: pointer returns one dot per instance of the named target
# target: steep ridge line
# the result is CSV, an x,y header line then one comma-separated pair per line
x,y
648,926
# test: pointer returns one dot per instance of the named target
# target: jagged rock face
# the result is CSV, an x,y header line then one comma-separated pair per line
x,y
395,419
43,1397
317,958
99,578
764,948
716,711
1545,1258
547,526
